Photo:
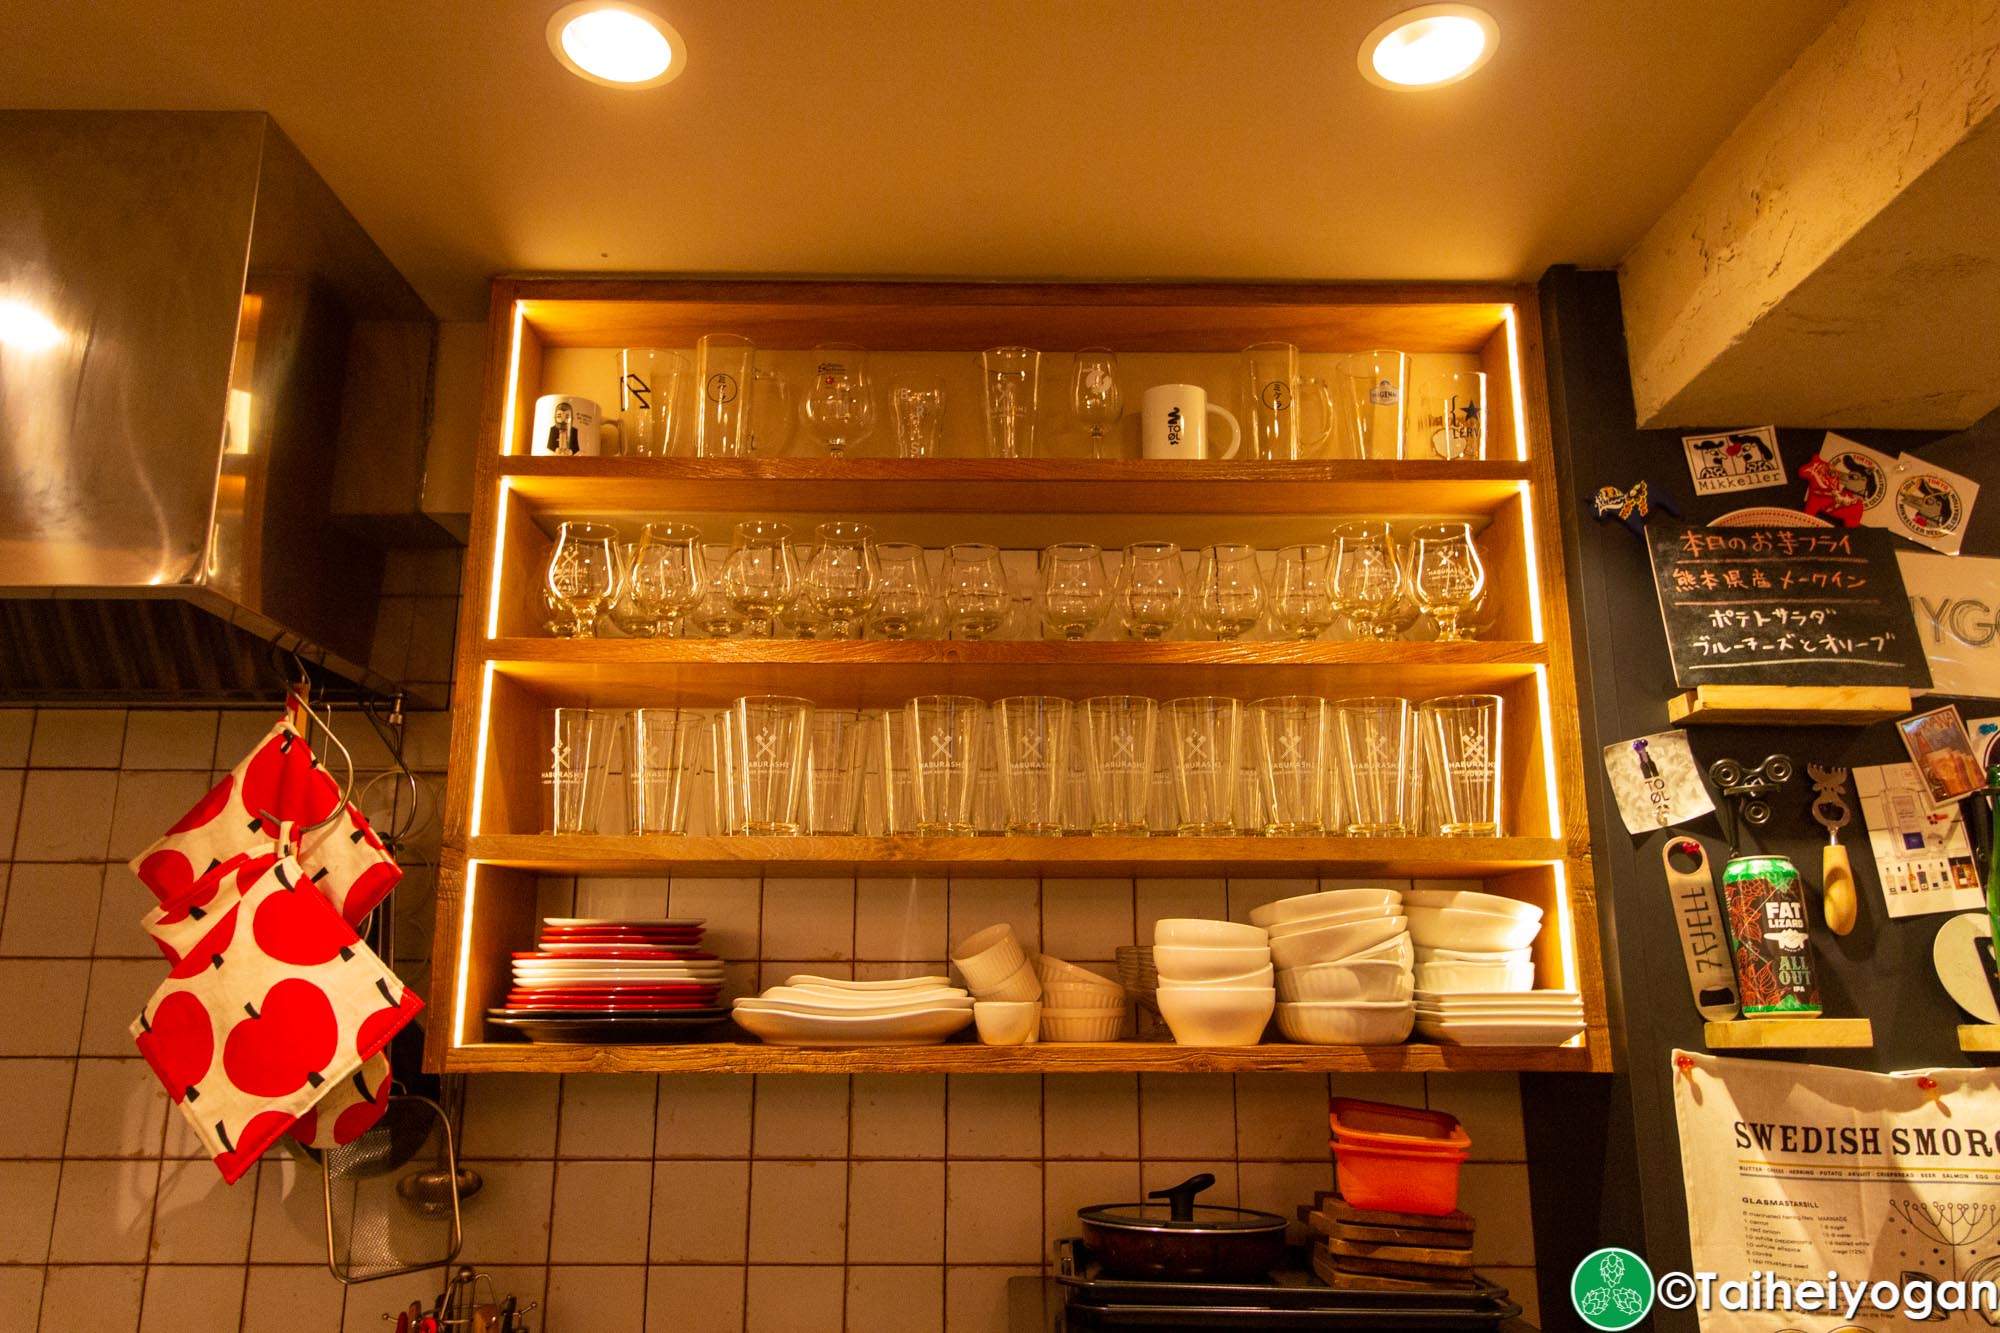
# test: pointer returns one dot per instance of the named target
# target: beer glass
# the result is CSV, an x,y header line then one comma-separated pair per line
x,y
1011,379
916,405
649,387
1204,741
1290,733
1451,414
1302,591
841,576
1372,385
1446,576
975,590
769,736
1460,744
833,767
1075,589
944,735
1273,384
723,366
579,765
1032,734
1119,732
760,576
656,755
1151,593
1228,590
902,591
666,577
583,573
1372,735
1367,576
838,405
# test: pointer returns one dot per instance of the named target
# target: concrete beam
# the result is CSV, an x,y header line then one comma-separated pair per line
x,y
1837,261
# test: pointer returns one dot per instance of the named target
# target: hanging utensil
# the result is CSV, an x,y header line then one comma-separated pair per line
x,y
1749,790
1704,941
1836,880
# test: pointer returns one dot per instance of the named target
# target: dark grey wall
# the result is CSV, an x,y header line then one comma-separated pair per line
x,y
1621,1181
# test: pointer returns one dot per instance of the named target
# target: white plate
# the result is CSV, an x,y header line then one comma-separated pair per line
x,y
925,1027
1522,1032
835,1002
1453,999
886,1009
892,983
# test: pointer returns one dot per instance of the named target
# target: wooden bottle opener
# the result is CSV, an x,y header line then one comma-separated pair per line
x,y
1830,808
1704,939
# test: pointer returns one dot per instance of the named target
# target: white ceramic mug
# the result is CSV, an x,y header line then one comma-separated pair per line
x,y
565,426
1174,422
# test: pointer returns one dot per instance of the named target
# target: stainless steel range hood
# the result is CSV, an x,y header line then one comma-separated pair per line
x,y
187,318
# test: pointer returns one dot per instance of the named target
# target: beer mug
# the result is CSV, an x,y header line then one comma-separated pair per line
x,y
1273,387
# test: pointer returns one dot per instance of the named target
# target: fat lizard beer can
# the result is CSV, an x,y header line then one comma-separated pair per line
x,y
1768,937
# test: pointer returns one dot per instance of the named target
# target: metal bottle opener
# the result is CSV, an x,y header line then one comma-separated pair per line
x,y
1836,880
1750,789
1704,939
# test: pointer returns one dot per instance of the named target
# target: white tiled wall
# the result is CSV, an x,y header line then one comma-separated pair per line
x,y
620,1202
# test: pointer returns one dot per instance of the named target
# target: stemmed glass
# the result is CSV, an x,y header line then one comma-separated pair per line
x,y
1302,591
760,577
1447,576
838,405
1075,589
1094,395
714,612
1228,590
1152,590
1366,575
627,608
666,577
584,572
841,577
975,590
902,591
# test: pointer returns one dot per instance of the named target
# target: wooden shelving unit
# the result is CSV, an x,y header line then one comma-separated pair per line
x,y
1788,705
1979,1038
511,674
1789,1034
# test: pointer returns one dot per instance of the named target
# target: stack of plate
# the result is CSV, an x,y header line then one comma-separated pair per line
x,y
597,980
831,1011
1500,1018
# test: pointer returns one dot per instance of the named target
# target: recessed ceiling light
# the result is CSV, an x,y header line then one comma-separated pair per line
x,y
1429,47
616,44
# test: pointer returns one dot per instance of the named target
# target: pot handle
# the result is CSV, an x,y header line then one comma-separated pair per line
x,y
1180,1199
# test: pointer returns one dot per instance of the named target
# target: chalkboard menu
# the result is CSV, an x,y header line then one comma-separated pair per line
x,y
1784,606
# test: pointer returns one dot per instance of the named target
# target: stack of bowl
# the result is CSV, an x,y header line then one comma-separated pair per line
x,y
1343,960
1079,1005
1002,980
1469,941
1215,981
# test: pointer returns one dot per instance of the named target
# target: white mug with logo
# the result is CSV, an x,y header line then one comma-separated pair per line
x,y
1174,422
565,426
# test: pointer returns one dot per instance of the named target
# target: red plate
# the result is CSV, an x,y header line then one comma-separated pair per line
x,y
677,934
650,950
609,1006
621,953
614,992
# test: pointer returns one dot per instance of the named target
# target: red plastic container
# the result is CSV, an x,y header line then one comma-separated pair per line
x,y
1397,1159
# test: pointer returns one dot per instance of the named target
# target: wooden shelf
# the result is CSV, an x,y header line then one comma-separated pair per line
x,y
1788,705
1789,1034
710,672
1039,1058
1081,857
1979,1038
1026,486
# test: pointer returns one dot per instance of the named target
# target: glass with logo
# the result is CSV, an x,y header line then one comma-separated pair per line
x,y
1289,739
769,738
1119,735
724,364
1205,742
945,731
1372,735
1460,739
1273,385
1372,386
1032,734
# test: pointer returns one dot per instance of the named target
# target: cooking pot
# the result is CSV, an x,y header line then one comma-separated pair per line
x,y
1182,1241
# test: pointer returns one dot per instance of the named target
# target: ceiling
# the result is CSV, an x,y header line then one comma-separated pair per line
x,y
976,138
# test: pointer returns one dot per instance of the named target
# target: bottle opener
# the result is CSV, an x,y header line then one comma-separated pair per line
x,y
1704,941
1836,879
1749,789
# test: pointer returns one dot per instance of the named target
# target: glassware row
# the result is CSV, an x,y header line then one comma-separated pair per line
x,y
1037,765
847,585
722,403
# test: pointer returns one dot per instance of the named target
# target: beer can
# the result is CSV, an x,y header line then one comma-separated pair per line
x,y
1768,937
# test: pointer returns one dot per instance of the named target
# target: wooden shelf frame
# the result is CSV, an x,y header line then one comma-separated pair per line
x,y
486,899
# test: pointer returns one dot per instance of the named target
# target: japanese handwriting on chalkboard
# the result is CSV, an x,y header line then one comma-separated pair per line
x,y
1787,542
1834,645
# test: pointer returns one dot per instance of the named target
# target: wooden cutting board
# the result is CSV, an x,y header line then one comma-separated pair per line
x,y
1427,1255
1324,1224
1348,1263
1330,1203
1323,1264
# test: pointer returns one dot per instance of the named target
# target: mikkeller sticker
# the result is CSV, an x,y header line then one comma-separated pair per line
x,y
1737,460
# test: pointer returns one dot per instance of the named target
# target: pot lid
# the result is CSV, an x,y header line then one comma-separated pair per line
x,y
1180,1213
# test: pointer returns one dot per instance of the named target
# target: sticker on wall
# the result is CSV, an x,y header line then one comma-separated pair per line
x,y
1846,482
1929,504
1737,460
1955,600
1923,860
1943,754
1656,782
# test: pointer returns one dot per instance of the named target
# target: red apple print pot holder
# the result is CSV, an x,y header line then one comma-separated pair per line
x,y
272,1013
280,784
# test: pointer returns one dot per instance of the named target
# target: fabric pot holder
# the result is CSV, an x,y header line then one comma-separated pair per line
x,y
350,1110
280,783
275,1007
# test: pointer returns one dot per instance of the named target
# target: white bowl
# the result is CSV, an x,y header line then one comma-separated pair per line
x,y
1370,980
1299,927
988,957
1320,1024
1320,904
1397,948
1082,1024
1021,985
1074,995
1054,969
1463,978
1473,900
1426,954
1007,1022
1203,933
1261,977
1327,943
1216,1015
1189,962
1467,928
